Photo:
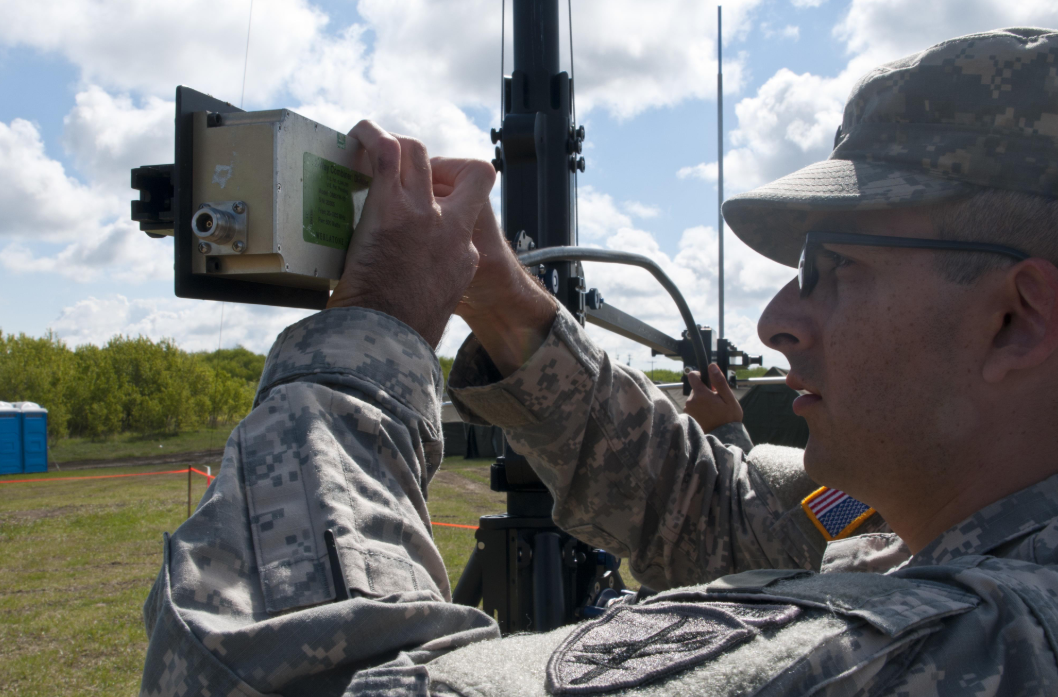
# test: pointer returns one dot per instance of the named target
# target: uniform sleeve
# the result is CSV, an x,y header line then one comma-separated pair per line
x,y
340,445
632,474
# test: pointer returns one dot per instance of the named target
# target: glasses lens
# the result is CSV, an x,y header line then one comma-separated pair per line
x,y
801,270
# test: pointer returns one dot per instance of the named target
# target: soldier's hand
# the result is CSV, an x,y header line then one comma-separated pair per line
x,y
712,407
412,255
508,310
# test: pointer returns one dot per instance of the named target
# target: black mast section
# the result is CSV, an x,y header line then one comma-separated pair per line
x,y
526,572
539,148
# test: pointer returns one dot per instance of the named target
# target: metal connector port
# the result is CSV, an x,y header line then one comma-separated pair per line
x,y
220,227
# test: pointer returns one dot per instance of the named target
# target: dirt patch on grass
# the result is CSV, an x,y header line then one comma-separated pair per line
x,y
199,457
34,514
463,484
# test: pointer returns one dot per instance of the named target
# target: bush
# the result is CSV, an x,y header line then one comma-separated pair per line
x,y
129,385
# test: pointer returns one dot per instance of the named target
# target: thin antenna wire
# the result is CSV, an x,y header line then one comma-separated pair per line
x,y
246,56
573,104
720,158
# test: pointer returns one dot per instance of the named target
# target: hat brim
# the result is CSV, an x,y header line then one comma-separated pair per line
x,y
774,218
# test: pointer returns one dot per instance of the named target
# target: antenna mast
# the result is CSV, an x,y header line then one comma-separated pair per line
x,y
720,161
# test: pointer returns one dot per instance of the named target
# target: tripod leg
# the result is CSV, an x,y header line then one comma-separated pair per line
x,y
549,600
469,588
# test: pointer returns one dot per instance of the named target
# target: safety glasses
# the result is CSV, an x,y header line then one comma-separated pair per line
x,y
808,274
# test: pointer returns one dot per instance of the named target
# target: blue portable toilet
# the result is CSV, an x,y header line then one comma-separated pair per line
x,y
10,439
34,437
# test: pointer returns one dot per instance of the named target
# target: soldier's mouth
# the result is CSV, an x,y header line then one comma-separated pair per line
x,y
808,398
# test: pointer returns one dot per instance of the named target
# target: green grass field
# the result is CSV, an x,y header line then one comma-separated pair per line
x,y
133,445
77,559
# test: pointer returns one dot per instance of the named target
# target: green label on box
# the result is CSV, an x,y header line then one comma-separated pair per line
x,y
330,201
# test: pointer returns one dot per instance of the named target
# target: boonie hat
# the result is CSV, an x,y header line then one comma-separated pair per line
x,y
976,111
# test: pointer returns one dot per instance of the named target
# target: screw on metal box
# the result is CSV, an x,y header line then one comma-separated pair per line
x,y
205,247
238,207
238,246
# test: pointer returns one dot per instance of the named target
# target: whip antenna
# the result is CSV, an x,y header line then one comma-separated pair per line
x,y
720,162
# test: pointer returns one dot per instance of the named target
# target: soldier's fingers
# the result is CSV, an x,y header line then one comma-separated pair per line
x,y
697,385
471,182
414,166
720,386
383,153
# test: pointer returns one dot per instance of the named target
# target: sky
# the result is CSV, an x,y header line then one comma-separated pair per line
x,y
87,88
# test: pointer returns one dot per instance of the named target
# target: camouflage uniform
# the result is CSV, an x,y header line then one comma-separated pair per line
x,y
973,613
344,436
633,475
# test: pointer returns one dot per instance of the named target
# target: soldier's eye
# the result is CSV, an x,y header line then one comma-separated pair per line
x,y
833,260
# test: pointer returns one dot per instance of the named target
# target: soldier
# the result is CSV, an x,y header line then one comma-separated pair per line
x,y
923,327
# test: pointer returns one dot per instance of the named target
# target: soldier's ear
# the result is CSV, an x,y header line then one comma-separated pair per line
x,y
1025,324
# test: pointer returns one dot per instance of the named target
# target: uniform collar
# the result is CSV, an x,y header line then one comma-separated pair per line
x,y
998,523
1006,520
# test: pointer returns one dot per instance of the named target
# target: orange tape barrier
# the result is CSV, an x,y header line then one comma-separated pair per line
x,y
208,477
457,525
99,476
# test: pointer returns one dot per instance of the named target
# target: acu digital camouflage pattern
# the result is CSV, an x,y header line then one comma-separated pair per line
x,y
974,613
976,111
634,475
345,436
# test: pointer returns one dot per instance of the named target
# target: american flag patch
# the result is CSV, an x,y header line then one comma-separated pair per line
x,y
835,513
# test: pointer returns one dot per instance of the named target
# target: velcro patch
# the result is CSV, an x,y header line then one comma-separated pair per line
x,y
835,513
634,644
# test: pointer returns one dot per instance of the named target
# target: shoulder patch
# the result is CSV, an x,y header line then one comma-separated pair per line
x,y
635,644
835,513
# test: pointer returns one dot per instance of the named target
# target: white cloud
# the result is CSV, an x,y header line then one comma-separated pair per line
x,y
194,324
628,59
151,47
56,224
415,66
116,251
790,122
108,135
807,3
599,216
788,32
38,199
640,210
882,30
703,170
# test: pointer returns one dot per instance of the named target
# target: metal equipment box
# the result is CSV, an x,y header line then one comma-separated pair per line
x,y
261,205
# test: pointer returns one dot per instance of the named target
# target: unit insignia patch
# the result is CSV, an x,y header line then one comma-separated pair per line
x,y
634,644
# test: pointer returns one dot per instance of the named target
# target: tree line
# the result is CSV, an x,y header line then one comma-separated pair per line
x,y
129,385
